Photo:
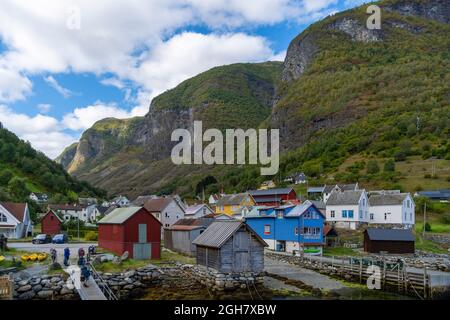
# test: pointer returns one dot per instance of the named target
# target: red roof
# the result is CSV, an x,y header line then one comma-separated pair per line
x,y
157,205
16,209
183,228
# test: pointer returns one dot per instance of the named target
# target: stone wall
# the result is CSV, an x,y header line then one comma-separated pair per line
x,y
45,287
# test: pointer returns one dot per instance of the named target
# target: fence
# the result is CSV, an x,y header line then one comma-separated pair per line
x,y
6,288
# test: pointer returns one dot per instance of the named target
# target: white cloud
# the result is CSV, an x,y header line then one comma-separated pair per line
x,y
83,118
44,107
43,132
188,54
13,86
280,56
66,93
114,82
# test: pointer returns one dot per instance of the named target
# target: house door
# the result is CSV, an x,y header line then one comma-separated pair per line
x,y
242,261
241,252
142,251
142,233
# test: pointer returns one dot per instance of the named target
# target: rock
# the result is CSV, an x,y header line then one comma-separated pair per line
x,y
23,283
45,294
27,295
55,279
129,274
37,288
116,261
129,287
24,288
65,290
55,266
124,256
35,281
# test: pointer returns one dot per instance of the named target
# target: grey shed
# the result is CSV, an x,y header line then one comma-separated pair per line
x,y
230,247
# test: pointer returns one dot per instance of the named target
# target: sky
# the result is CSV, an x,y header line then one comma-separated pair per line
x,y
66,64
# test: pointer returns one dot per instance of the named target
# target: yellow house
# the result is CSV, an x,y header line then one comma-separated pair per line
x,y
231,204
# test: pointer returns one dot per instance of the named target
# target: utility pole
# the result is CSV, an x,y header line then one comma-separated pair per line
x,y
78,225
424,219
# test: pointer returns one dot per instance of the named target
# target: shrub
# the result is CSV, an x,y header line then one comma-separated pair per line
x,y
427,227
91,236
372,167
389,166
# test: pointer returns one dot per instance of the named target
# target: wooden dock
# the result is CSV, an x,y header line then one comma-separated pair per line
x,y
92,292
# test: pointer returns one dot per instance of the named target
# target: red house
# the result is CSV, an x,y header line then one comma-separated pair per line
x,y
273,197
51,223
131,229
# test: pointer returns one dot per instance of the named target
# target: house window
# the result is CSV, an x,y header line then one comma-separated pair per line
x,y
360,214
3,218
410,216
408,204
166,215
267,229
296,231
344,213
280,214
371,216
51,218
333,213
350,214
385,216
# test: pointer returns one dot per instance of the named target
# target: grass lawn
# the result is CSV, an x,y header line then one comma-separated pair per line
x,y
429,246
339,251
167,258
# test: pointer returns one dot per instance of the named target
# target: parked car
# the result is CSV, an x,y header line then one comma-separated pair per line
x,y
60,238
42,238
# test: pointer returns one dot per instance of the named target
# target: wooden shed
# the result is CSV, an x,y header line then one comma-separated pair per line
x,y
131,229
180,235
388,240
51,223
230,246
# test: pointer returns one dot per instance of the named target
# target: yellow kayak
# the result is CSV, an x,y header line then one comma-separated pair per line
x,y
25,257
33,257
2,258
42,256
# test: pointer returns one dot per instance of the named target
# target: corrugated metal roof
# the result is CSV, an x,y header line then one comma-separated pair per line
x,y
219,232
344,198
315,189
232,199
268,199
119,215
390,234
269,192
387,199
183,228
343,187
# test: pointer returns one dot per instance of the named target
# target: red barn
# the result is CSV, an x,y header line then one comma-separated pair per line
x,y
51,223
273,197
131,229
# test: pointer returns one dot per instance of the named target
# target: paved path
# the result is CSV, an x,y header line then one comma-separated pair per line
x,y
308,277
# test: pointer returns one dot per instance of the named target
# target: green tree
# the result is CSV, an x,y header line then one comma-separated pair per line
x,y
18,188
5,176
372,167
389,166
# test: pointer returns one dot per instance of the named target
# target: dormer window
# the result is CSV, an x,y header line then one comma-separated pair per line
x,y
280,214
3,218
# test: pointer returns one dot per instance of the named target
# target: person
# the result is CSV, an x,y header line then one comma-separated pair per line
x,y
85,274
53,254
81,259
66,256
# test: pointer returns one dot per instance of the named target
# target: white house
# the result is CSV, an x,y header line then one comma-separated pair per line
x,y
347,209
166,210
213,199
121,201
71,211
389,208
15,221
197,211
38,197
328,189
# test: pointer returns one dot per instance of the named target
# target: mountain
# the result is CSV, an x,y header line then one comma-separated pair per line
x,y
345,96
24,170
131,155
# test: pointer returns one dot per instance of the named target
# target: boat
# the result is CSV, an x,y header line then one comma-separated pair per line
x,y
25,257
2,258
42,256
33,257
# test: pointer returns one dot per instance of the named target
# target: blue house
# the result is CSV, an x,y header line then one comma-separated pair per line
x,y
290,228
